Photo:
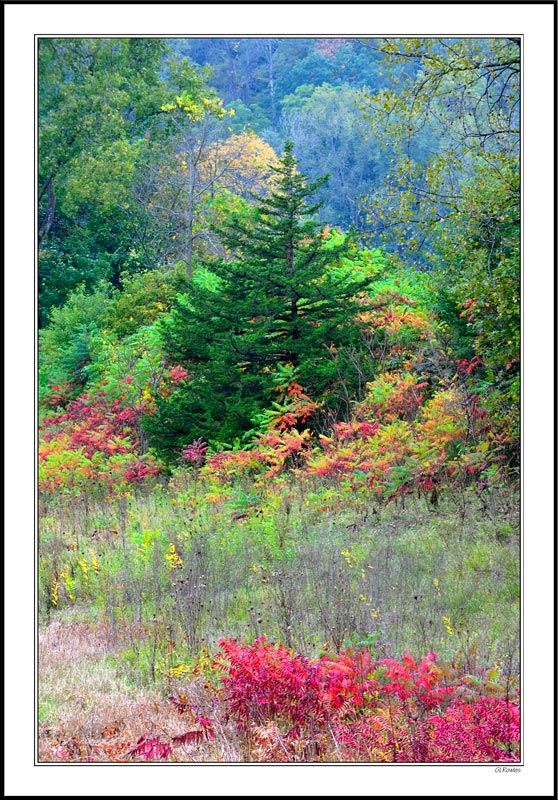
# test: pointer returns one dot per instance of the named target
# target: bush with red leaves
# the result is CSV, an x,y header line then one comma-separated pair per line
x,y
387,710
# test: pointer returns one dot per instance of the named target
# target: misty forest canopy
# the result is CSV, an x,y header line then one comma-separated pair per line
x,y
249,242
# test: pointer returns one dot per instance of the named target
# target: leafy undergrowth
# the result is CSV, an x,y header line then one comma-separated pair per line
x,y
296,709
262,702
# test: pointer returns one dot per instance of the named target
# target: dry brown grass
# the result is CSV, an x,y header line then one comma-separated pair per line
x,y
62,642
90,712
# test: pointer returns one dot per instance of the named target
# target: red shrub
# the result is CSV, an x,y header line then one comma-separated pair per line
x,y
388,710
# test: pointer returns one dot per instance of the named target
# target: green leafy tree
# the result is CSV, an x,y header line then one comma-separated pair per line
x,y
66,343
183,187
101,119
451,198
144,297
278,300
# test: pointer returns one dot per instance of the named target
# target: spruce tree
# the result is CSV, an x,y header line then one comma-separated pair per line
x,y
277,303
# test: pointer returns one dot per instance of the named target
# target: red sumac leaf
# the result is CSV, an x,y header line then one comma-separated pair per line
x,y
190,737
151,749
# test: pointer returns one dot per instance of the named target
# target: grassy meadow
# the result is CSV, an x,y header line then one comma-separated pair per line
x,y
135,593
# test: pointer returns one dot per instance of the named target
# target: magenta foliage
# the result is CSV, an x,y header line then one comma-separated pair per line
x,y
387,710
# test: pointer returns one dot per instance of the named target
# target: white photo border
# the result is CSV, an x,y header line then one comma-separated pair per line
x,y
535,24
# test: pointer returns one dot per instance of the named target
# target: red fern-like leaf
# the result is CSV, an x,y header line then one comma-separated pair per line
x,y
151,749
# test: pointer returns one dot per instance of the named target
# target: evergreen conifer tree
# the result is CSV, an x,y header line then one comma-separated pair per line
x,y
278,302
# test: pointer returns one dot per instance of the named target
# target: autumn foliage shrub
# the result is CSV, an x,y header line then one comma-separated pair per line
x,y
414,430
95,441
364,710
286,707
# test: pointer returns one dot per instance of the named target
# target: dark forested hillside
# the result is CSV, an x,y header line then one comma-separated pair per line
x,y
309,91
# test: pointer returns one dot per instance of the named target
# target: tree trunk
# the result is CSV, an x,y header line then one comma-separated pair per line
x,y
49,217
271,80
190,218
